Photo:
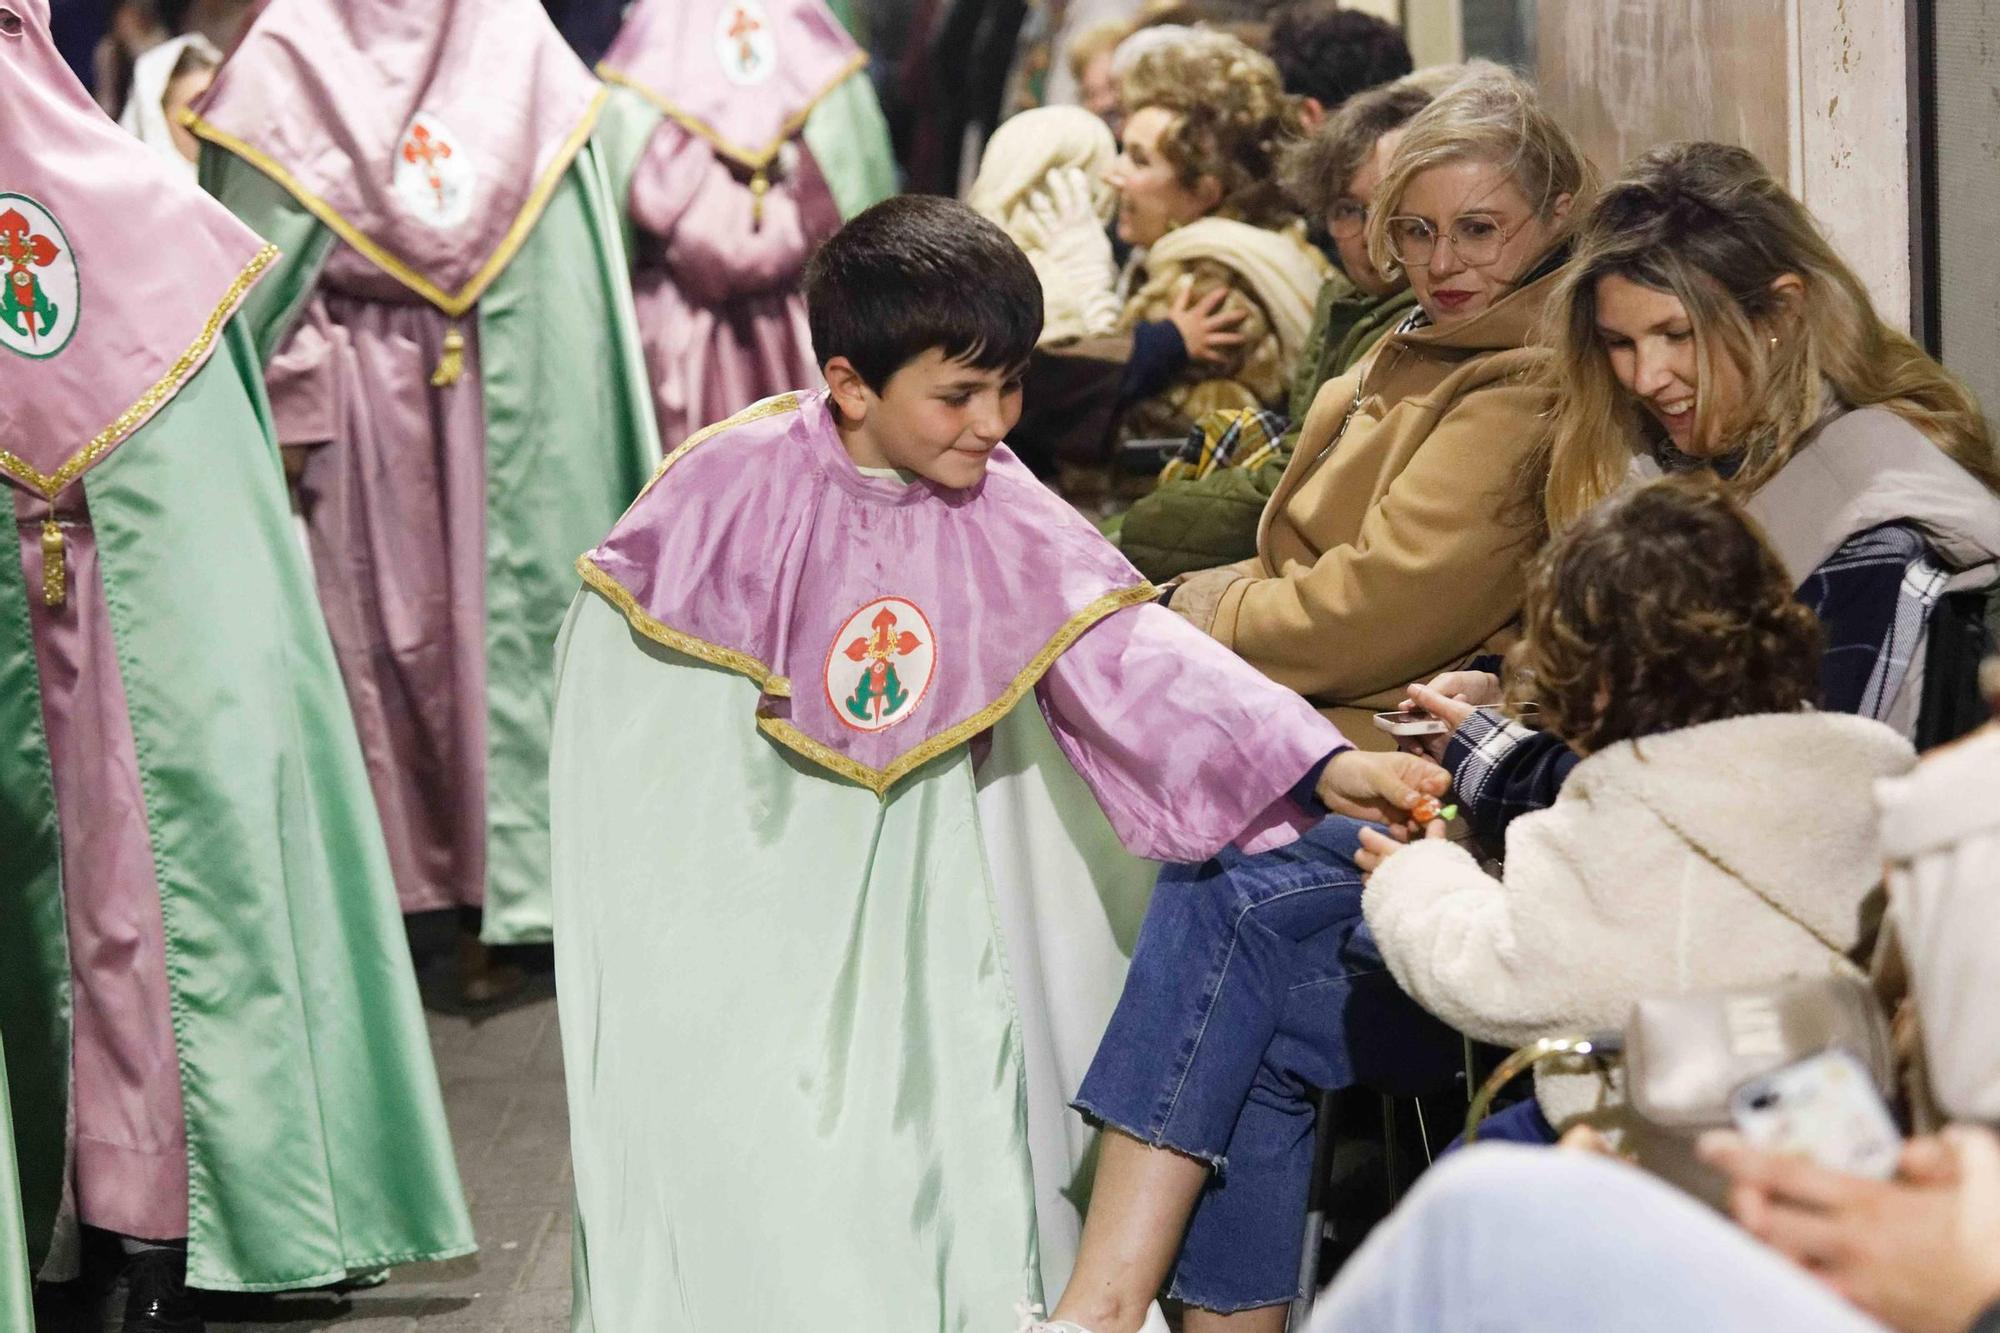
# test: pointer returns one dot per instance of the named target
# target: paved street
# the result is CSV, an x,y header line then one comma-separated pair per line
x,y
503,1091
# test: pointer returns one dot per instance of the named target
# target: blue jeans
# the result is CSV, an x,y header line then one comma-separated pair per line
x,y
1255,982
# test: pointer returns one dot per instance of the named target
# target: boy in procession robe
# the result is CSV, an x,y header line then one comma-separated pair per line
x,y
865,745
767,136
214,1045
457,379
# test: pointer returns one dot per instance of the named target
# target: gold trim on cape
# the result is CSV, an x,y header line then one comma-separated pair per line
x,y
452,303
756,159
776,405
50,484
877,780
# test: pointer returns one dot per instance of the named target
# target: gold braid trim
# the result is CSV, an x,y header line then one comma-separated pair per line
x,y
452,303
756,159
50,484
769,407
877,780
635,615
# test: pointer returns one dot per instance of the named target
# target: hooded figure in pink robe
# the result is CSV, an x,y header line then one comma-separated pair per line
x,y
455,374
756,160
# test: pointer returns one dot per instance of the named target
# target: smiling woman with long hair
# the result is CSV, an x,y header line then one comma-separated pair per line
x,y
1706,323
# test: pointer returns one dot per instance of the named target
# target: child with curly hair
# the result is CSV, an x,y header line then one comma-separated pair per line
x,y
1719,832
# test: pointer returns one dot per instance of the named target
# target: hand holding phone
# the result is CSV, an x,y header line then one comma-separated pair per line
x,y
1411,722
1824,1108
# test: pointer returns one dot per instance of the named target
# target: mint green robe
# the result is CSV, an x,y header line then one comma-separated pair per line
x,y
316,1136
567,448
807,1072
16,1289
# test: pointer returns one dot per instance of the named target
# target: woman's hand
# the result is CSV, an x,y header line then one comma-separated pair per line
x,y
1449,705
1205,325
1920,1252
1380,787
1377,847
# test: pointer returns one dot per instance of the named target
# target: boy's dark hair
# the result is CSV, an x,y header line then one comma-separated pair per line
x,y
919,271
1317,168
1329,54
1662,608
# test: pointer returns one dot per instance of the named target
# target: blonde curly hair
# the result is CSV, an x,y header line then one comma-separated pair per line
x,y
1232,119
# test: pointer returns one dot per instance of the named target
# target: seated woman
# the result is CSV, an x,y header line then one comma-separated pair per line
x,y
1706,323
1390,550
1206,509
1719,834
1216,302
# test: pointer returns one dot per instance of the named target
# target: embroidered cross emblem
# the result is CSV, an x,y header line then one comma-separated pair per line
x,y
421,150
879,690
741,29
26,308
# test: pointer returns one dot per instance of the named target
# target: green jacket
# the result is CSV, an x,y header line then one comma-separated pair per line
x,y
1212,520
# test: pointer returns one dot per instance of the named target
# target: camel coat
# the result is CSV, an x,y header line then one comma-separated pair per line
x,y
1393,548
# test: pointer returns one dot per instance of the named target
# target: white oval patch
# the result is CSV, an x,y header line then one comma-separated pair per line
x,y
40,288
434,173
744,43
880,665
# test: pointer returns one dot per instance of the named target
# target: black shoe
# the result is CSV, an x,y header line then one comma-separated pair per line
x,y
156,1294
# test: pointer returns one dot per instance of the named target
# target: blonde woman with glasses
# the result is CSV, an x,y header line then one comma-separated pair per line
x,y
1390,550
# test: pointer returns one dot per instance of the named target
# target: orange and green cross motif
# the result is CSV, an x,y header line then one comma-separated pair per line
x,y
742,27
421,150
23,304
879,692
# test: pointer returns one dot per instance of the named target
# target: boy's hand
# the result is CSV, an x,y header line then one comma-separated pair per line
x,y
1921,1252
1379,787
1449,699
1377,846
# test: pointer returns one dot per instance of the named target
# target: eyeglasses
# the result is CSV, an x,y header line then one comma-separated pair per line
x,y
1348,219
1475,238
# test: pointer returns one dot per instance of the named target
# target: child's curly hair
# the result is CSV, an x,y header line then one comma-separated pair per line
x,y
1232,119
1662,608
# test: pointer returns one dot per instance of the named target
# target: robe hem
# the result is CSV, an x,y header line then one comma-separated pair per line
x,y
326,1277
453,304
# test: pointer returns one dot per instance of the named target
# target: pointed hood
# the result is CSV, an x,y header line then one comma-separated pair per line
x,y
428,136
742,74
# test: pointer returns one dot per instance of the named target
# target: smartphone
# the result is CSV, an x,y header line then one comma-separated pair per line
x,y
1411,722
1825,1108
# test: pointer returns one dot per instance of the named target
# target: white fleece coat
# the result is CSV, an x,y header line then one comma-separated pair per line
x,y
1736,853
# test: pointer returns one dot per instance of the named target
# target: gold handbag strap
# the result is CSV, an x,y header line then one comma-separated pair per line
x,y
1521,1061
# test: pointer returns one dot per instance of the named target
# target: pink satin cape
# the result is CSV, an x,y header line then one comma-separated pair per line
x,y
137,301
746,95
760,540
327,97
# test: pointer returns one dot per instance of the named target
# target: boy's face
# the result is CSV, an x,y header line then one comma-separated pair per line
x,y
937,418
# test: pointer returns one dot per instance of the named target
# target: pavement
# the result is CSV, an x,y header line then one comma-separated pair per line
x,y
503,1092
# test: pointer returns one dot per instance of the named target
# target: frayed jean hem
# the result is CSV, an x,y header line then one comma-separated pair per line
x,y
1216,1162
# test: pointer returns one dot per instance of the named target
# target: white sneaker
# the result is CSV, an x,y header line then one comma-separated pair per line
x,y
1032,1322
1156,1322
